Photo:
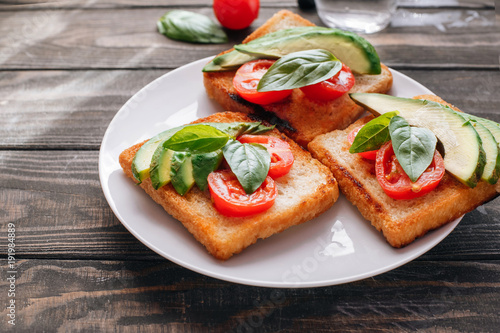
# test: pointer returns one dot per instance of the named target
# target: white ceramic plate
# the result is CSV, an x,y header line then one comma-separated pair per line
x,y
339,246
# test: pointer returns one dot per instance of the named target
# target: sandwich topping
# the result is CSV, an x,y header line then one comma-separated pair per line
x,y
318,73
350,48
404,142
247,79
193,154
407,164
396,183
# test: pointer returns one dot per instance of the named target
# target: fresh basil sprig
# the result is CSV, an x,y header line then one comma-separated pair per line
x,y
190,27
373,134
299,69
413,146
197,139
249,162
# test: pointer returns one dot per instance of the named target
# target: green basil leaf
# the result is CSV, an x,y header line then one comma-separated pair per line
x,y
249,162
203,165
257,128
413,146
197,139
299,69
239,128
190,27
373,134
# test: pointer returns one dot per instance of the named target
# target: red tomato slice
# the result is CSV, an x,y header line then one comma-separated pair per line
x,y
281,155
247,78
230,199
396,183
332,88
369,155
236,14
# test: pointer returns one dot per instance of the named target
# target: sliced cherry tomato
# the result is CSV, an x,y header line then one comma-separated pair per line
x,y
236,14
369,155
230,199
332,88
247,78
396,183
281,155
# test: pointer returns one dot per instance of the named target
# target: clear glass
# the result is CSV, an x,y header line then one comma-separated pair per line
x,y
365,16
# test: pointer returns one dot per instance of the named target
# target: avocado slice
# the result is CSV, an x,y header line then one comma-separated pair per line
x,y
203,165
494,129
464,156
234,59
350,48
491,170
181,172
142,158
160,167
228,61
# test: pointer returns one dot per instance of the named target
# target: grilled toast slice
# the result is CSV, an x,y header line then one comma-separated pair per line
x,y
308,190
401,221
298,117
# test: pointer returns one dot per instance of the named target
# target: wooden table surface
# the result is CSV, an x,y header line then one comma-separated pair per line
x,y
66,68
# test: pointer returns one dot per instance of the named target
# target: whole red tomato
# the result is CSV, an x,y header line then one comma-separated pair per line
x,y
236,14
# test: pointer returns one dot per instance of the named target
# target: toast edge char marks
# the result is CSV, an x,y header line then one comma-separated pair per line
x,y
298,201
300,118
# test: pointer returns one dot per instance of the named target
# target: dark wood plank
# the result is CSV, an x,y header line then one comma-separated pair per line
x,y
72,4
59,4
54,198
43,109
72,39
72,109
58,295
60,210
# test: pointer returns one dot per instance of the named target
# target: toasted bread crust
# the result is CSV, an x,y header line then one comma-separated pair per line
x,y
298,201
299,117
401,221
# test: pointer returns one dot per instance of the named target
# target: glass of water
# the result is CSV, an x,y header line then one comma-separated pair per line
x,y
365,16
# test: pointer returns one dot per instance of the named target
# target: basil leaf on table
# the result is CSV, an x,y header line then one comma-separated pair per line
x,y
190,27
197,139
299,69
373,134
249,162
413,146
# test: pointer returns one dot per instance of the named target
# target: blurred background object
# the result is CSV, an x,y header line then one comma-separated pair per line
x,y
364,16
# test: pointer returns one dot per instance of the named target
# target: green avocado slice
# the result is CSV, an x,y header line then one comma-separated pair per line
x,y
350,48
142,158
160,167
203,165
491,170
494,129
181,172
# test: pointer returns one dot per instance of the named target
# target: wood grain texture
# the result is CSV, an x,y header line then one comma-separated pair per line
x,y
67,67
72,109
64,109
127,38
54,198
70,4
43,4
79,295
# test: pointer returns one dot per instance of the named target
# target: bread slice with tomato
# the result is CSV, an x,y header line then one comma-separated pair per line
x,y
401,210
300,117
306,191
